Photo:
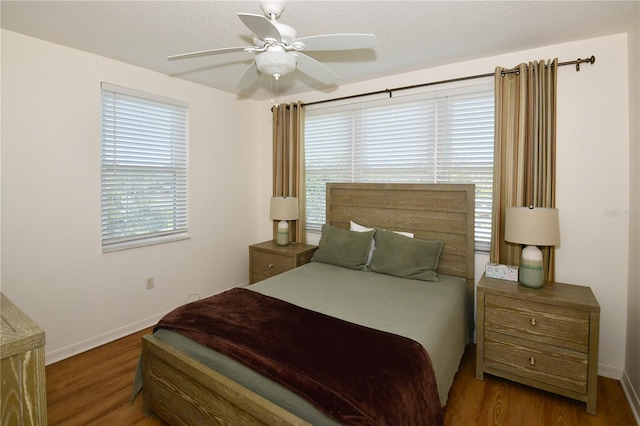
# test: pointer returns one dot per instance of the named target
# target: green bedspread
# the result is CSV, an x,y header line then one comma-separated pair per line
x,y
438,315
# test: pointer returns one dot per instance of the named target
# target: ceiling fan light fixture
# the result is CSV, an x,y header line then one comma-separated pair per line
x,y
276,63
279,52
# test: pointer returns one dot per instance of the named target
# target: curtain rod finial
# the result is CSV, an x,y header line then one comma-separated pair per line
x,y
590,60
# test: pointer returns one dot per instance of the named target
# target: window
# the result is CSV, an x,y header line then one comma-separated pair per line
x,y
143,168
435,137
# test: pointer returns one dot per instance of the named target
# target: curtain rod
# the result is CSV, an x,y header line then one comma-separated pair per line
x,y
577,63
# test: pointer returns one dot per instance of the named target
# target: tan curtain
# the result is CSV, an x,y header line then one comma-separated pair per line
x,y
288,162
525,151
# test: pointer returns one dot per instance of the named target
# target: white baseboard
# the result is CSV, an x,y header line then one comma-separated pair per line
x,y
94,342
632,396
610,371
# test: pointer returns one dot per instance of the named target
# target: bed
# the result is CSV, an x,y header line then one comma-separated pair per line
x,y
186,383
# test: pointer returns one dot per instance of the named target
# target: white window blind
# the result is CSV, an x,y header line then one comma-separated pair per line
x,y
435,137
143,168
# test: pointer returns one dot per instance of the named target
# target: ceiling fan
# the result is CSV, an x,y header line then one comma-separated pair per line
x,y
279,52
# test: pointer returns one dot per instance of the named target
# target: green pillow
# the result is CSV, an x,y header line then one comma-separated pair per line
x,y
405,257
343,248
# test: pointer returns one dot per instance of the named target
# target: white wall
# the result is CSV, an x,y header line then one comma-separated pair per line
x,y
593,169
631,381
52,264
593,187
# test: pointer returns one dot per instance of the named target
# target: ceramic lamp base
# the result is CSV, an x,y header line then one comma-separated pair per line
x,y
530,272
282,236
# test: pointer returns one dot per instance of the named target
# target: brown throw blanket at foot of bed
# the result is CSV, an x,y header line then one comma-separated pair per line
x,y
354,374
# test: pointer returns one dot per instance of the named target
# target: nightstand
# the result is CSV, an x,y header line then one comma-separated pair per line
x,y
269,259
546,338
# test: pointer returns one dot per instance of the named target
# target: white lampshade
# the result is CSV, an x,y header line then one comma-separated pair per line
x,y
284,208
533,227
276,62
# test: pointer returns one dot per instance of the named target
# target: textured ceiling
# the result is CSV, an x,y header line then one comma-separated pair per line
x,y
411,34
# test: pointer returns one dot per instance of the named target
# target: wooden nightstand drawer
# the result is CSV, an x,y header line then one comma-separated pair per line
x,y
270,264
268,259
556,325
563,368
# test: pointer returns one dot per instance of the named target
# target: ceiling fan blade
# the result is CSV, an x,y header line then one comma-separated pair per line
x,y
260,26
208,52
338,42
250,75
315,69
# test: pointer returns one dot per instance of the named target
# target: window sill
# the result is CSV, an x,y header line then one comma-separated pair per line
x,y
143,243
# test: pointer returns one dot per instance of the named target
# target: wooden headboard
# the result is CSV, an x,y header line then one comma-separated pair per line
x,y
430,211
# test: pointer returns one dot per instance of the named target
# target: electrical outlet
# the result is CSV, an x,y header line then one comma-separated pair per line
x,y
149,283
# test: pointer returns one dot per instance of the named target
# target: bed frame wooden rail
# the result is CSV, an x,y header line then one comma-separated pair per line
x,y
183,391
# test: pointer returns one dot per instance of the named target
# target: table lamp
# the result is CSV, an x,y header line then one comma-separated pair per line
x,y
532,227
283,209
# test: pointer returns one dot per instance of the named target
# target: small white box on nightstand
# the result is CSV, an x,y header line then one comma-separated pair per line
x,y
502,272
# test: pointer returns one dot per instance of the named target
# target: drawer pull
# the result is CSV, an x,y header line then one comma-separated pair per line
x,y
271,265
533,321
532,361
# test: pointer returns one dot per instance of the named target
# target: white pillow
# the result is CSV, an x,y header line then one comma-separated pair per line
x,y
359,228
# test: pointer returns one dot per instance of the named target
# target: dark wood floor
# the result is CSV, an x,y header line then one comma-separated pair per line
x,y
94,388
